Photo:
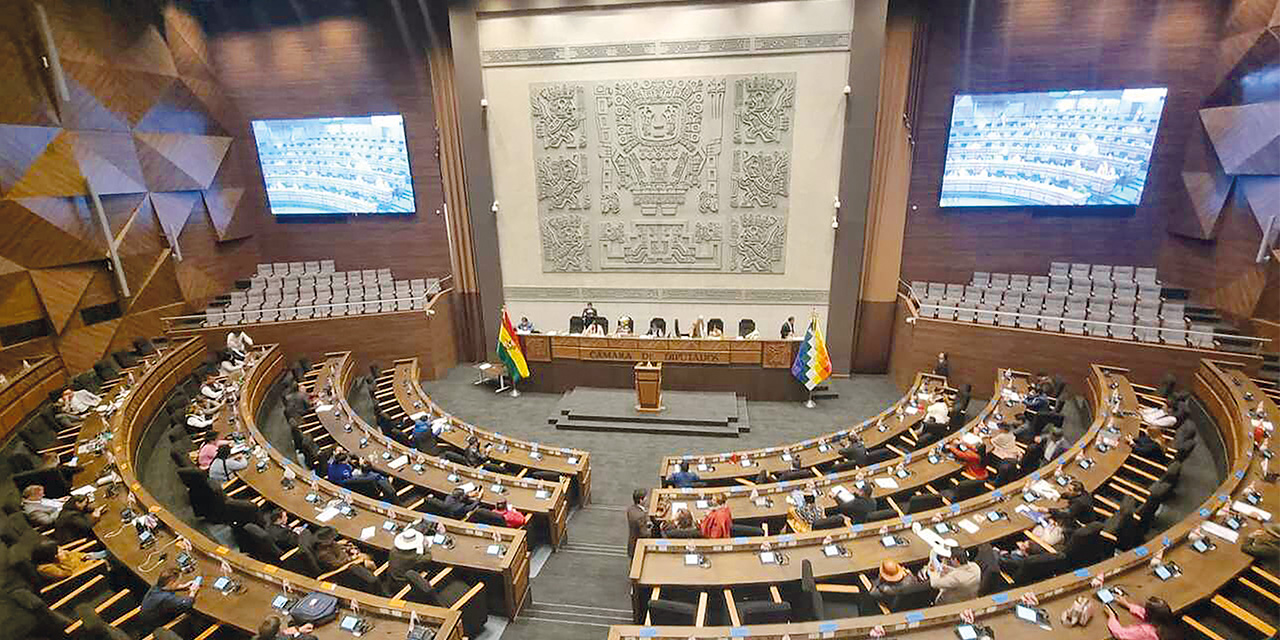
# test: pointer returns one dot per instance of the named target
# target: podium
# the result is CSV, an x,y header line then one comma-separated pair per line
x,y
649,387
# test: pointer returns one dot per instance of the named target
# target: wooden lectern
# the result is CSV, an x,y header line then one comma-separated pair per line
x,y
649,387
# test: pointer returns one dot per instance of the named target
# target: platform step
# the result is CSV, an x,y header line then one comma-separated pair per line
x,y
647,427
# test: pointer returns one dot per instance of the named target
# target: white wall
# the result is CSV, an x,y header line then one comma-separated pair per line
x,y
548,298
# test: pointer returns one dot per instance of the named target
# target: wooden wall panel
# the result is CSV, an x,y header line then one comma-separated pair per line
x,y
335,67
1025,45
135,128
977,351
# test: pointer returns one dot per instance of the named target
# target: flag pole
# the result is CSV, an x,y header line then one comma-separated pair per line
x,y
809,404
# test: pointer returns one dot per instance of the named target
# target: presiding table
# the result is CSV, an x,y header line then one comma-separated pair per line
x,y
758,369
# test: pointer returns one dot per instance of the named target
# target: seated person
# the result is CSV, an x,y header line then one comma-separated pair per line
x,y
594,328
208,452
955,577
719,522
943,366
715,331
358,475
624,326
1079,505
408,553
74,406
514,518
213,390
333,553
802,518
1158,417
40,511
224,465
929,431
198,418
681,526
395,431
473,455
162,603
273,628
232,370
1156,621
860,506
973,458
1054,445
1146,446
525,326
1004,445
279,531
423,437
460,503
1039,398
684,478
55,563
699,328
796,472
76,520
938,411
854,450
238,344
892,579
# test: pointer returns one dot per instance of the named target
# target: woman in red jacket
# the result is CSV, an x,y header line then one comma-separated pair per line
x,y
972,459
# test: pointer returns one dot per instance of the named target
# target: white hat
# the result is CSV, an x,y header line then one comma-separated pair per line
x,y
410,540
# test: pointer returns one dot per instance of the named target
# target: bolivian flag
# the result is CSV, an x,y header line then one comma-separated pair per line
x,y
812,364
509,350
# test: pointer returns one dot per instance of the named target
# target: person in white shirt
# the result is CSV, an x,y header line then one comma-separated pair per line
x,y
938,411
40,511
594,329
1157,417
75,406
235,346
1054,444
525,326
212,390
198,419
955,577
225,466
438,425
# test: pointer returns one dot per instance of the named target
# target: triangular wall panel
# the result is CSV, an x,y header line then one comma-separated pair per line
x,y
196,159
109,162
84,109
26,97
20,146
60,290
49,232
121,208
52,173
159,289
1240,133
141,243
127,94
173,210
178,110
81,347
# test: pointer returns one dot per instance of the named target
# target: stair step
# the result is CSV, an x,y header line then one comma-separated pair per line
x,y
643,427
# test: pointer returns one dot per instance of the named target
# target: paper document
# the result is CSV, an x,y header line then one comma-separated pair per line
x,y
968,526
367,533
886,483
327,515
324,407
398,462
1251,511
83,491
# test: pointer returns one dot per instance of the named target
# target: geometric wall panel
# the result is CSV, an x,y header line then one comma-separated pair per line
x,y
108,161
60,290
84,110
18,298
141,243
81,347
26,100
173,210
49,232
178,110
1262,194
1246,137
158,290
120,209
179,162
129,95
223,205
52,173
19,148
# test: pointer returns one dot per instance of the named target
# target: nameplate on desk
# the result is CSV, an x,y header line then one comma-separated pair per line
x,y
637,355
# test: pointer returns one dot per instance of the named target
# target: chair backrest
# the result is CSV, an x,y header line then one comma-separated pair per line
x,y
672,612
575,324
715,323
746,326
811,604
261,546
917,596
765,612
422,590
924,502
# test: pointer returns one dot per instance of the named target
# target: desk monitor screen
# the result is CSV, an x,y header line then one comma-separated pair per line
x,y
335,166
1051,148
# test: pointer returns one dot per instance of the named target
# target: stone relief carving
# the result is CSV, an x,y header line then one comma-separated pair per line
x,y
566,240
652,197
558,114
760,178
562,181
758,241
762,108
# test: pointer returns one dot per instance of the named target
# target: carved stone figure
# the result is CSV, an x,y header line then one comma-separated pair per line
x,y
558,113
762,107
758,241
657,156
760,178
566,243
661,244
562,181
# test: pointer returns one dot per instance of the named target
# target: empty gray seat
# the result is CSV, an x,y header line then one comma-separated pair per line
x,y
1059,268
1145,275
1019,281
1000,280
1028,322
993,296
1051,324
981,278
986,314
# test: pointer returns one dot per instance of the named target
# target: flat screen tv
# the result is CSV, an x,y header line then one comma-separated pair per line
x,y
335,166
1050,148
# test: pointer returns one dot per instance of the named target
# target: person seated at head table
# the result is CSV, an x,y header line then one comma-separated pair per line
x,y
623,327
699,329
76,520
753,334
224,465
683,478
525,326
973,459
956,578
595,328
892,579
333,553
719,521
788,327
273,628
40,511
513,517
459,503
801,518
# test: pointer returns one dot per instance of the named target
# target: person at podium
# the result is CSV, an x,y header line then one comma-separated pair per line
x,y
588,315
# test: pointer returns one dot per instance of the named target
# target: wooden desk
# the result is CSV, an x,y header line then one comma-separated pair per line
x,y
506,577
718,469
1202,573
573,463
548,502
261,582
27,390
758,369
770,498
735,562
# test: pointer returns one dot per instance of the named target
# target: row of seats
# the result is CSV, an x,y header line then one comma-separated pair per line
x,y
282,269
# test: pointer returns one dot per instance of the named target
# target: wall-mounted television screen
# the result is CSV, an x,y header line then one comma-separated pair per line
x,y
327,166
1050,148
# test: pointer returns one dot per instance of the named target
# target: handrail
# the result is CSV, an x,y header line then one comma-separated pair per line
x,y
910,292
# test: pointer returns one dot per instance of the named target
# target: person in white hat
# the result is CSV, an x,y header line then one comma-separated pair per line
x,y
409,553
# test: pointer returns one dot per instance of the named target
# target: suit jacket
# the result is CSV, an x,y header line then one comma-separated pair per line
x,y
637,526
788,328
400,562
1080,509
858,508
284,537
72,525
